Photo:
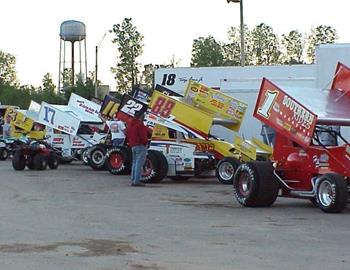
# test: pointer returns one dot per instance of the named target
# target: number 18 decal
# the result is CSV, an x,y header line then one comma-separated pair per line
x,y
270,97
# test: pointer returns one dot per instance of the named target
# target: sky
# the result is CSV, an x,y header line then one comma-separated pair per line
x,y
29,29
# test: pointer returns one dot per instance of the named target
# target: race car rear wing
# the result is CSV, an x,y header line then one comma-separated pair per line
x,y
295,111
226,110
177,111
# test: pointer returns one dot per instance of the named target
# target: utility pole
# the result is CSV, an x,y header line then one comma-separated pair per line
x,y
242,29
96,62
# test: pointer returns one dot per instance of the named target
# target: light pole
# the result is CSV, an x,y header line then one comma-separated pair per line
x,y
96,63
242,29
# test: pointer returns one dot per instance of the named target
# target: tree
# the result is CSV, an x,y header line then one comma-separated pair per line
x,y
322,34
147,76
206,52
293,45
232,50
265,45
7,69
48,93
129,43
81,88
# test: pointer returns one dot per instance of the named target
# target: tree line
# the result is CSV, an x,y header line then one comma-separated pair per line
x,y
262,47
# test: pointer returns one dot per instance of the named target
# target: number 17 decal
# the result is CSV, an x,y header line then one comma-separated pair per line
x,y
49,115
270,97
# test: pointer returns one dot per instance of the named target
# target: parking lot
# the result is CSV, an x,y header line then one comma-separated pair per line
x,y
77,218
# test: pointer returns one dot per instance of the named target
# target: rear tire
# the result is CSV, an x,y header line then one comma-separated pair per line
x,y
255,184
155,167
225,170
18,161
332,193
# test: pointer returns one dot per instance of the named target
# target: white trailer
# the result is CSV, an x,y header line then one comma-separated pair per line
x,y
243,83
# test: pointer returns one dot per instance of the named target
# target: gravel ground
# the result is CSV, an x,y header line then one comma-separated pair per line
x,y
77,218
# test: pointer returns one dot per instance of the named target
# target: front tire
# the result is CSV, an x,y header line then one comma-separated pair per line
x,y
97,157
4,153
254,184
40,162
332,193
118,160
225,170
53,161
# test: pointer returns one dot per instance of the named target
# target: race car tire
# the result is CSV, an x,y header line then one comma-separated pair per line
x,y
155,167
332,193
118,160
85,156
30,163
255,185
4,153
53,161
40,162
97,157
225,170
18,161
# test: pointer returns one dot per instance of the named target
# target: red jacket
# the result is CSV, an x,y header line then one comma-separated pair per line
x,y
136,133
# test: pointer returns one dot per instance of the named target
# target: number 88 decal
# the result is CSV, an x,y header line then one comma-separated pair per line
x,y
163,106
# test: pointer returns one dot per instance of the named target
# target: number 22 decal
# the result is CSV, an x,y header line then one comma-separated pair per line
x,y
270,97
131,107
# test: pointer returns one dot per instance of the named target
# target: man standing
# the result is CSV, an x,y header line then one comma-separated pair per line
x,y
136,133
117,129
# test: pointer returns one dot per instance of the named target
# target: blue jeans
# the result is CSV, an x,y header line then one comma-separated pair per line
x,y
117,142
139,153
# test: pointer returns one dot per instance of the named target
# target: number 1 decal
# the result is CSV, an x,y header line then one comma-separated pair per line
x,y
270,97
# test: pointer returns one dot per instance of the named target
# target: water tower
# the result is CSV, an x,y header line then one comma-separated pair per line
x,y
72,33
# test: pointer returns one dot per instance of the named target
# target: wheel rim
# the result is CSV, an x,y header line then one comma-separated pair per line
x,y
244,184
326,193
147,168
116,160
226,171
97,157
85,156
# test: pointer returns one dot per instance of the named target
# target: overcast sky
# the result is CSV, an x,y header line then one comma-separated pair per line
x,y
29,29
